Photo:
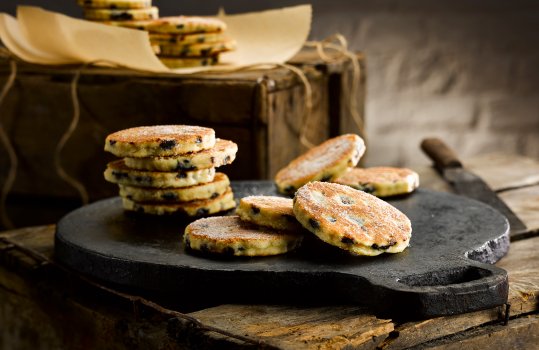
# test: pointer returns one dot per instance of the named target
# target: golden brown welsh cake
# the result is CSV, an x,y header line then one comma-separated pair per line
x,y
380,181
224,152
117,172
159,140
193,208
197,50
110,14
115,4
208,190
185,24
269,211
163,39
321,163
352,220
176,25
230,235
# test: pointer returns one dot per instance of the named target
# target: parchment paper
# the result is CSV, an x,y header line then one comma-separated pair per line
x,y
45,37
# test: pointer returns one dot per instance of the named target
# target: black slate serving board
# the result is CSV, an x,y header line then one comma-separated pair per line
x,y
446,270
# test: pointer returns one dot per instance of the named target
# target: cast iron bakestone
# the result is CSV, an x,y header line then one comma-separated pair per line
x,y
446,270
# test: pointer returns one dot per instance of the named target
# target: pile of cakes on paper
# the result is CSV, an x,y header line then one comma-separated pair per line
x,y
170,169
179,41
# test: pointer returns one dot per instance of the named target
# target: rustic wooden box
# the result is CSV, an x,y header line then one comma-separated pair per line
x,y
260,110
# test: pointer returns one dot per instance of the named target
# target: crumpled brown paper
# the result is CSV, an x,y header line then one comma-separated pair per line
x,y
45,37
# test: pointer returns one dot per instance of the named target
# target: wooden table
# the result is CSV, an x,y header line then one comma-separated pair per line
x,y
44,305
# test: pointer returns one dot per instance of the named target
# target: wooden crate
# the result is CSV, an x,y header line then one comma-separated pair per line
x,y
260,110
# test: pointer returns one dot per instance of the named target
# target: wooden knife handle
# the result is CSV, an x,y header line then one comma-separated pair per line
x,y
440,153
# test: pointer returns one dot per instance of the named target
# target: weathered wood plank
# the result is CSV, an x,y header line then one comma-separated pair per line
x,y
46,306
525,203
521,333
502,171
522,266
37,238
38,314
43,307
413,333
288,327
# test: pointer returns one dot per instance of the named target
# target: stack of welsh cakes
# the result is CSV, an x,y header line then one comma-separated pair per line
x,y
170,169
178,41
185,41
118,10
189,41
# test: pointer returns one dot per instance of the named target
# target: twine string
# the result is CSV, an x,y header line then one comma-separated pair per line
x,y
6,142
66,136
62,173
340,50
308,106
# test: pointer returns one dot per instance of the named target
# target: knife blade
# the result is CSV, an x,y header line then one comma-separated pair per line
x,y
467,183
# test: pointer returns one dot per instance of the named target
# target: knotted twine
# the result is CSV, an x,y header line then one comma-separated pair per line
x,y
6,142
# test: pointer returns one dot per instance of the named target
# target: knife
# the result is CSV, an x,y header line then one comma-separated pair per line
x,y
467,183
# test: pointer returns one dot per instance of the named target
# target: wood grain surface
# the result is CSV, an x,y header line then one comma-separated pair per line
x,y
290,327
502,171
43,305
525,203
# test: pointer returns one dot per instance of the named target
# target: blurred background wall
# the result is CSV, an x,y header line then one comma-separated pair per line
x,y
467,71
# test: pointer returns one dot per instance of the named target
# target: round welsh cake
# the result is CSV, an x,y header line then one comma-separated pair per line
x,y
224,152
380,181
229,235
269,211
352,220
107,14
184,25
115,4
164,39
159,140
197,50
208,190
175,25
321,163
117,172
193,208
